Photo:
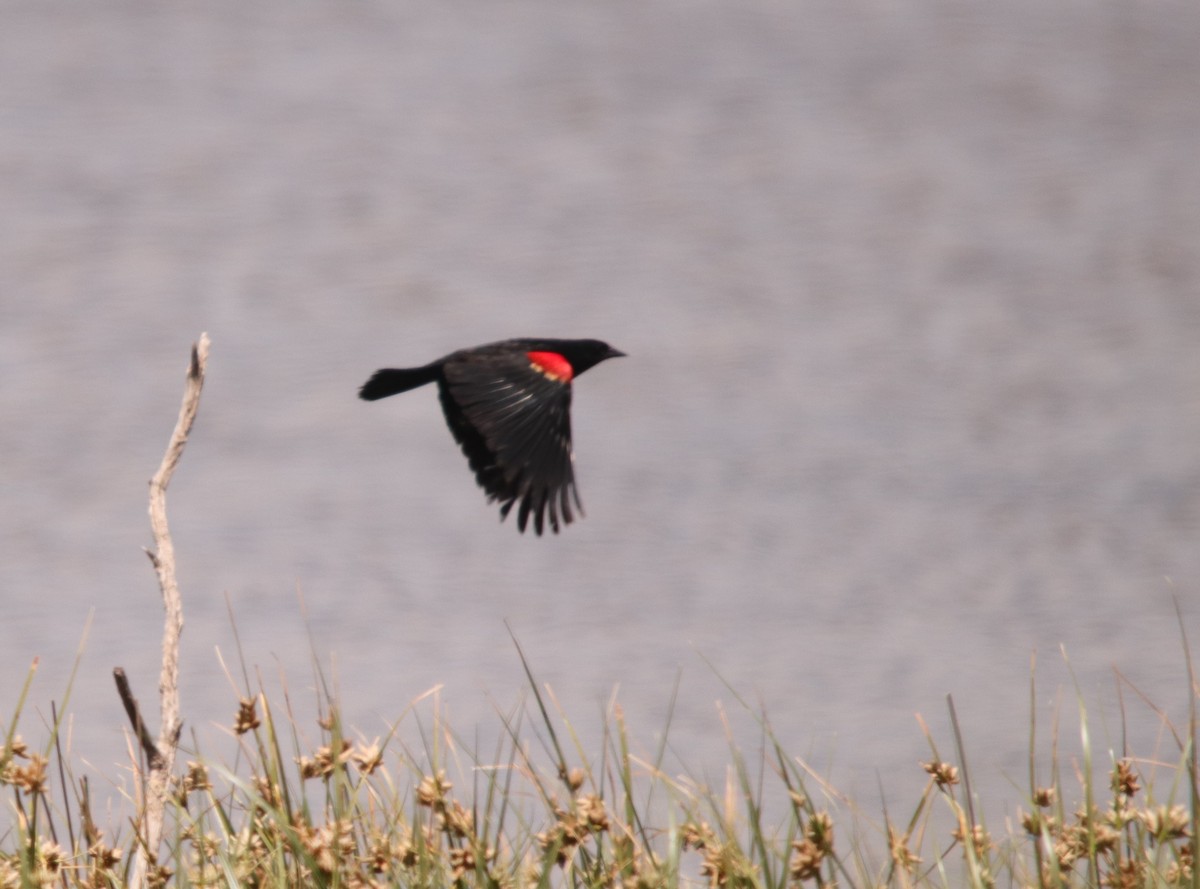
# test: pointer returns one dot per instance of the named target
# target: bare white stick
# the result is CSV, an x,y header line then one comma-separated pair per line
x,y
158,785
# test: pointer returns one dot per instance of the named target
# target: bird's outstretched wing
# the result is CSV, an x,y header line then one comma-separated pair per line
x,y
513,422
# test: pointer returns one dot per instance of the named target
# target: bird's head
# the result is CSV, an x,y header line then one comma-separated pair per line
x,y
580,354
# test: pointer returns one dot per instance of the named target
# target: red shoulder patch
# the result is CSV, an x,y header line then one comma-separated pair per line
x,y
552,365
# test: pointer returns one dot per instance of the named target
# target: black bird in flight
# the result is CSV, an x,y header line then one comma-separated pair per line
x,y
509,407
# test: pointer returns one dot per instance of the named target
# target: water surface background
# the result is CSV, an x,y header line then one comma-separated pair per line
x,y
911,295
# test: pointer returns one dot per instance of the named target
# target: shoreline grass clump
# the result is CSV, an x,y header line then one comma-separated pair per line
x,y
417,807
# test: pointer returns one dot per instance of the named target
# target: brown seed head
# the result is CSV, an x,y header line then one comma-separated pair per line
x,y
102,856
196,778
51,858
979,838
574,779
369,758
820,830
1106,838
944,774
1125,779
1167,824
697,836
901,854
31,777
323,762
159,876
591,808
268,790
247,716
806,860
432,790
1129,874
455,819
1036,823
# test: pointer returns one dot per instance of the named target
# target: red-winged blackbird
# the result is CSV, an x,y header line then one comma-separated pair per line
x,y
509,407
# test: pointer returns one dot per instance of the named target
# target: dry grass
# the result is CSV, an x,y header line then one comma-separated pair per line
x,y
543,810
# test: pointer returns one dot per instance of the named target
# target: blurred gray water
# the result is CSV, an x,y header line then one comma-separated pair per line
x,y
911,295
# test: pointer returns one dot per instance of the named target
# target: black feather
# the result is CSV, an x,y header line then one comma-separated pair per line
x,y
512,420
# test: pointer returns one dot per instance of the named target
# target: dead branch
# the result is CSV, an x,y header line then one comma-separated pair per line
x,y
134,712
161,755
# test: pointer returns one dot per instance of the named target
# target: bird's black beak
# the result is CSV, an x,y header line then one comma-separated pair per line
x,y
615,353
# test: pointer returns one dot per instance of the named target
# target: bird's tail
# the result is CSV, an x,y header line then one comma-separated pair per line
x,y
390,381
